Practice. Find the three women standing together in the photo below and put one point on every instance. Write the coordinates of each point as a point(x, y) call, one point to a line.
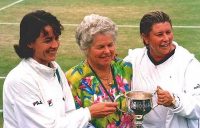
point(37, 94)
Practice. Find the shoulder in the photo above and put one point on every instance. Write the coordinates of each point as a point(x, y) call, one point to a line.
point(183, 53)
point(20, 78)
point(121, 66)
point(20, 71)
point(77, 72)
point(135, 53)
point(185, 60)
point(118, 62)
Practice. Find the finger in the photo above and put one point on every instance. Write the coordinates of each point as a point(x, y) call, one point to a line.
point(161, 96)
point(109, 113)
point(105, 114)
point(159, 88)
point(159, 103)
point(110, 109)
point(160, 100)
point(111, 104)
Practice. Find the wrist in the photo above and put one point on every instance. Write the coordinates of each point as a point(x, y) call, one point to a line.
point(175, 101)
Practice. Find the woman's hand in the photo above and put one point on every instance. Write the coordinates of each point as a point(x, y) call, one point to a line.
point(102, 109)
point(164, 97)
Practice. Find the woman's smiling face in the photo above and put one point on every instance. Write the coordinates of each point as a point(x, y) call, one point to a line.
point(102, 50)
point(160, 40)
point(45, 46)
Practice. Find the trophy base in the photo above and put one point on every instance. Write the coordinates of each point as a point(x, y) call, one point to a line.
point(139, 124)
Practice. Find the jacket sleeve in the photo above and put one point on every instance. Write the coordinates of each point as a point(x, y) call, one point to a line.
point(189, 100)
point(41, 115)
point(76, 118)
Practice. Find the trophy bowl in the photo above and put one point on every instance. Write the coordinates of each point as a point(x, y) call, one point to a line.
point(138, 103)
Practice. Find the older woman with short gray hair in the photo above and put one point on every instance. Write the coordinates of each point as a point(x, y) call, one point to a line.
point(101, 76)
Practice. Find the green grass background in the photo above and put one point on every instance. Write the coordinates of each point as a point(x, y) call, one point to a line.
point(123, 12)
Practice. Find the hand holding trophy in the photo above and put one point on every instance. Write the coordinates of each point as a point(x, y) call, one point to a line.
point(138, 103)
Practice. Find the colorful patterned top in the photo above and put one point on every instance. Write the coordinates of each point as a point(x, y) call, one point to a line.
point(87, 90)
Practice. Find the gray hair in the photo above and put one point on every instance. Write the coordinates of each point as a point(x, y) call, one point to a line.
point(90, 26)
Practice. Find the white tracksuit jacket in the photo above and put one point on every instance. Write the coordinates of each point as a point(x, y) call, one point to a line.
point(180, 75)
point(33, 98)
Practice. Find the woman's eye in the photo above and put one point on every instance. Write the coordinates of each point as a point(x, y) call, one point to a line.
point(111, 45)
point(159, 34)
point(168, 32)
point(100, 47)
point(48, 40)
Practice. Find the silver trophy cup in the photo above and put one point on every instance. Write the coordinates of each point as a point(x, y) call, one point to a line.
point(138, 103)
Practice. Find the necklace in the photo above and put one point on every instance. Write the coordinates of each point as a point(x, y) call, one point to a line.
point(108, 80)
point(111, 97)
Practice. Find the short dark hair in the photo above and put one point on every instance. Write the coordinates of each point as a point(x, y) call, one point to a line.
point(31, 26)
point(151, 18)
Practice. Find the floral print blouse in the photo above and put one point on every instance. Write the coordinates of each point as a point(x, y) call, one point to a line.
point(87, 90)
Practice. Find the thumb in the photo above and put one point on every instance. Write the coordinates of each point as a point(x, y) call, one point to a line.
point(159, 88)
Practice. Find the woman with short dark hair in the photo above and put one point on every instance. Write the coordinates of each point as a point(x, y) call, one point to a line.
point(173, 71)
point(36, 93)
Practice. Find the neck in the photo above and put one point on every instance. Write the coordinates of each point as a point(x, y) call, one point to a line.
point(158, 58)
point(104, 74)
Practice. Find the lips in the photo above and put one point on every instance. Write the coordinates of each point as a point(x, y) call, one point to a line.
point(52, 51)
point(106, 58)
point(165, 45)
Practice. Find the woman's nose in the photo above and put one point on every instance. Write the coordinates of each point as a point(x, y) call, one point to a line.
point(106, 49)
point(54, 43)
point(166, 37)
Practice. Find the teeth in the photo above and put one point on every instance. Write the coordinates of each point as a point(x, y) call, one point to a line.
point(52, 52)
point(165, 45)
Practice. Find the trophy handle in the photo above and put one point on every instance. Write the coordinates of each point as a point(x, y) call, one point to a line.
point(117, 97)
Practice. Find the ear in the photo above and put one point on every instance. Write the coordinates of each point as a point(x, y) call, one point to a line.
point(145, 39)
